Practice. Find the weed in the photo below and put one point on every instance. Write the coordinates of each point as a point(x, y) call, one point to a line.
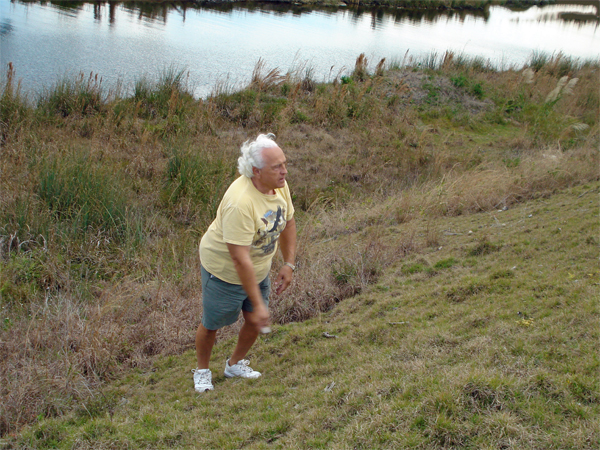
point(413, 268)
point(444, 263)
point(538, 60)
point(502, 274)
point(512, 162)
point(459, 81)
point(360, 68)
point(461, 293)
point(477, 90)
point(484, 247)
point(261, 81)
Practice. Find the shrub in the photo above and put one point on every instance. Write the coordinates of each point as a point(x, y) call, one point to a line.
point(459, 81)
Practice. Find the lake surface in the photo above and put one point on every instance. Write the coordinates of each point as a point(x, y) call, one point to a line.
point(123, 42)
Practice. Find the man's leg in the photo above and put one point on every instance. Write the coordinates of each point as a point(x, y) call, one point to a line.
point(246, 339)
point(205, 340)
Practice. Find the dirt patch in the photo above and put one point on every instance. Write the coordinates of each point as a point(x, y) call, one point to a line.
point(420, 88)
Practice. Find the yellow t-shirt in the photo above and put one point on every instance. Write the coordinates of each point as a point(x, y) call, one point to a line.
point(246, 217)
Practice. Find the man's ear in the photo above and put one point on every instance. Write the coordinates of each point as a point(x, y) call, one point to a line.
point(255, 170)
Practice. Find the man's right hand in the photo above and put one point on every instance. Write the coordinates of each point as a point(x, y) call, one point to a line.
point(259, 317)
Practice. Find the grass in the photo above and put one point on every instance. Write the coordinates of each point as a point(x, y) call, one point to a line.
point(446, 237)
point(495, 347)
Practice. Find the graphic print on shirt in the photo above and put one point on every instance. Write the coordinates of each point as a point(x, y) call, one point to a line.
point(268, 234)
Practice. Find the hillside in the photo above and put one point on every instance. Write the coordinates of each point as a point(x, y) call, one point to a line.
point(104, 197)
point(486, 339)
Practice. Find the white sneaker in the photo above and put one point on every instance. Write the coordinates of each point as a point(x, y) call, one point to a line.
point(241, 369)
point(202, 380)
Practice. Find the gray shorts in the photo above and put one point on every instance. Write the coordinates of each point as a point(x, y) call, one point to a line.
point(222, 301)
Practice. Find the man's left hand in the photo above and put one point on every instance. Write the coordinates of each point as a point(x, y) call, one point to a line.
point(283, 280)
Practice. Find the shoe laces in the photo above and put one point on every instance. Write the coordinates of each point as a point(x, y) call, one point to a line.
point(204, 376)
point(244, 365)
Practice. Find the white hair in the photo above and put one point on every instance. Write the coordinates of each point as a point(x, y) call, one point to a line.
point(252, 153)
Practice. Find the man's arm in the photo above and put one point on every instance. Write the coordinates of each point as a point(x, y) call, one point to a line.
point(287, 244)
point(240, 254)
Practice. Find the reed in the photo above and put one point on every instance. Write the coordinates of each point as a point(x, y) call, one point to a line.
point(81, 96)
point(14, 110)
point(169, 96)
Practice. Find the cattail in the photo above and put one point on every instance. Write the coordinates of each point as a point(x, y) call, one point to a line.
point(570, 85)
point(553, 95)
point(380, 67)
point(528, 75)
point(580, 126)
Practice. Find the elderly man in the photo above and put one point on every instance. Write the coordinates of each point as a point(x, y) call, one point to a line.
point(255, 216)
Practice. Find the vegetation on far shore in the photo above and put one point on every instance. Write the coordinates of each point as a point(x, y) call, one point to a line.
point(432, 242)
point(406, 4)
point(401, 4)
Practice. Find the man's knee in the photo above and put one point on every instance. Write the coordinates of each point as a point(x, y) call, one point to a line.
point(203, 332)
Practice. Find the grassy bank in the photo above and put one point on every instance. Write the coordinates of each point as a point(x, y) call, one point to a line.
point(104, 198)
point(485, 340)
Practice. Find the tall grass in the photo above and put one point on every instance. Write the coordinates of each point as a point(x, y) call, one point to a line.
point(169, 96)
point(14, 111)
point(82, 96)
point(86, 199)
point(195, 183)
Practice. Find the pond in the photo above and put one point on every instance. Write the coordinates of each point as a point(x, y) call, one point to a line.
point(220, 46)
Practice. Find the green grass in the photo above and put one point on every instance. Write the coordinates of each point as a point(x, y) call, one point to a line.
point(166, 98)
point(197, 180)
point(496, 346)
point(79, 96)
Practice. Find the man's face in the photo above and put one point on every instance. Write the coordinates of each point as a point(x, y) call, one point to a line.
point(272, 175)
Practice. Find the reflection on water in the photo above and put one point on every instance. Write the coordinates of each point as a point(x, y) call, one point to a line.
point(582, 18)
point(148, 11)
point(123, 41)
point(582, 11)
point(585, 14)
point(5, 27)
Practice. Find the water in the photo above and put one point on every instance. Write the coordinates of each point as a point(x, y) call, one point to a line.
point(122, 42)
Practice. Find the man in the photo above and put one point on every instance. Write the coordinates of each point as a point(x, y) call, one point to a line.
point(255, 217)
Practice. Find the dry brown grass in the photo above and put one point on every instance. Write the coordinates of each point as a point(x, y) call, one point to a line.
point(68, 347)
